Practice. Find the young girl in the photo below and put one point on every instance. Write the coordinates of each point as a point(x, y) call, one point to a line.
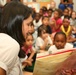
point(27, 46)
point(43, 40)
point(37, 21)
point(65, 13)
point(60, 40)
point(66, 28)
point(73, 19)
point(58, 21)
point(46, 23)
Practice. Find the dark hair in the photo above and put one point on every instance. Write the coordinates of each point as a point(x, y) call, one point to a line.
point(41, 28)
point(43, 17)
point(13, 15)
point(59, 12)
point(60, 33)
point(44, 8)
point(67, 17)
point(50, 9)
point(28, 34)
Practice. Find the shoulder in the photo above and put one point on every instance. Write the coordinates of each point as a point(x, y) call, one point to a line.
point(53, 47)
point(68, 45)
point(39, 38)
point(8, 42)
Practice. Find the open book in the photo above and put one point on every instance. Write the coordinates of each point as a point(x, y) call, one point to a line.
point(46, 63)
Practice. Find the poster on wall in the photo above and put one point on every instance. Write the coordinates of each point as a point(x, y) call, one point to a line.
point(29, 0)
point(43, 0)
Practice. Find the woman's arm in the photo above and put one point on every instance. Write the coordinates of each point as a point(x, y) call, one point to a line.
point(2, 71)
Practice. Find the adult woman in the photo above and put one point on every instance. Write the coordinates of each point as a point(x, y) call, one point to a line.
point(15, 22)
point(65, 3)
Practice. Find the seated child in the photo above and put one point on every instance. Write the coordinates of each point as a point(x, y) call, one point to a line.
point(44, 40)
point(27, 47)
point(60, 42)
point(67, 29)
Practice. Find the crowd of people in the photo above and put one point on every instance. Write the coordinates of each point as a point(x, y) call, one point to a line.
point(25, 32)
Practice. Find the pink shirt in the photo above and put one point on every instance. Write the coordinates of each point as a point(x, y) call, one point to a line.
point(58, 23)
point(26, 50)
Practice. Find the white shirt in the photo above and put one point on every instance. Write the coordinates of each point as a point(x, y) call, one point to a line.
point(36, 25)
point(53, 48)
point(3, 2)
point(9, 49)
point(40, 42)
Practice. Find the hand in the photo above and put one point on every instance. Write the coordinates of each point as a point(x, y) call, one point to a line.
point(46, 40)
point(27, 62)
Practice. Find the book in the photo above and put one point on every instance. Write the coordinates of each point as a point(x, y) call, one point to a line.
point(46, 63)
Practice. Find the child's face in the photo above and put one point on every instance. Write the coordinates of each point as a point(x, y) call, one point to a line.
point(44, 34)
point(56, 14)
point(66, 12)
point(45, 21)
point(53, 5)
point(37, 17)
point(66, 22)
point(29, 41)
point(31, 29)
point(41, 12)
point(60, 41)
point(49, 13)
point(73, 15)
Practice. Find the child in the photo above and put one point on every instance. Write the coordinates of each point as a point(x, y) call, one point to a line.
point(60, 40)
point(43, 40)
point(57, 20)
point(73, 19)
point(46, 23)
point(53, 5)
point(66, 28)
point(37, 21)
point(65, 13)
point(50, 11)
point(27, 46)
point(34, 33)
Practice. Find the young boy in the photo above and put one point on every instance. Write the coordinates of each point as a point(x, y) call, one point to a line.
point(60, 42)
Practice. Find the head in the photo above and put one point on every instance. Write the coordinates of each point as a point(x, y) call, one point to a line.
point(28, 40)
point(44, 8)
point(42, 31)
point(37, 17)
point(45, 20)
point(16, 20)
point(66, 21)
point(70, 10)
point(57, 13)
point(66, 12)
point(41, 12)
point(53, 5)
point(73, 16)
point(50, 11)
point(31, 28)
point(60, 40)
